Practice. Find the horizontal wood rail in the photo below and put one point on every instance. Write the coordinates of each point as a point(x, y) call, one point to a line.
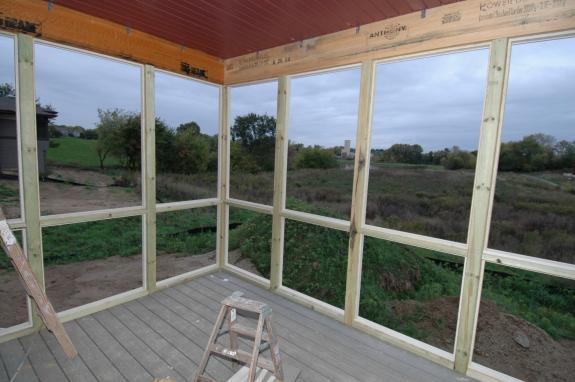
point(453, 25)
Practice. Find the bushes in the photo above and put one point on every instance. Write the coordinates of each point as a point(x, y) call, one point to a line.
point(315, 157)
point(459, 159)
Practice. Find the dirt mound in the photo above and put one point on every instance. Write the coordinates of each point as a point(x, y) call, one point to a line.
point(504, 342)
point(514, 346)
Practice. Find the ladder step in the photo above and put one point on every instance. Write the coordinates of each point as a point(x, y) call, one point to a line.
point(246, 305)
point(240, 355)
point(247, 332)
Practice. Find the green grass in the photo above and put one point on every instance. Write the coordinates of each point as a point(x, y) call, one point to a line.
point(77, 152)
point(315, 263)
point(533, 215)
point(174, 236)
point(7, 193)
point(123, 237)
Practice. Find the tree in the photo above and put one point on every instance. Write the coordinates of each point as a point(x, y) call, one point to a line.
point(459, 159)
point(256, 133)
point(108, 132)
point(403, 153)
point(315, 157)
point(166, 159)
point(192, 150)
point(193, 126)
point(532, 153)
point(131, 141)
point(89, 134)
point(7, 90)
point(564, 155)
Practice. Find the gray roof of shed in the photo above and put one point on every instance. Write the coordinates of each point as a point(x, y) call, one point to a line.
point(8, 106)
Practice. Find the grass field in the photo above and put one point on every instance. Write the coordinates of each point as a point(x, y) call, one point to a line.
point(315, 263)
point(534, 214)
point(77, 152)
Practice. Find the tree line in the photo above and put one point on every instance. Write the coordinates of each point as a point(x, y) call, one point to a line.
point(536, 152)
point(185, 149)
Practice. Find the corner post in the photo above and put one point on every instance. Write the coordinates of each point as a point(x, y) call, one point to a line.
point(359, 193)
point(280, 174)
point(223, 179)
point(482, 203)
point(149, 174)
point(26, 116)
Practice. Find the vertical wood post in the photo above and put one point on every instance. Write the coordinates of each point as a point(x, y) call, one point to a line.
point(26, 116)
point(223, 179)
point(149, 177)
point(359, 194)
point(280, 175)
point(482, 202)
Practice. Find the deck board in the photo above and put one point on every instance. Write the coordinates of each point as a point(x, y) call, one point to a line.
point(164, 335)
point(12, 355)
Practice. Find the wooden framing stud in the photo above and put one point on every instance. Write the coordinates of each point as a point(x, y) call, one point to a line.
point(149, 175)
point(359, 193)
point(223, 179)
point(481, 204)
point(280, 174)
point(26, 116)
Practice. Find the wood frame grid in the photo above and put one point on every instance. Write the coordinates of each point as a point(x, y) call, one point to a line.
point(475, 247)
point(32, 222)
point(550, 23)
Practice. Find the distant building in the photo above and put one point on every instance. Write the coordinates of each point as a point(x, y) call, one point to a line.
point(346, 152)
point(8, 136)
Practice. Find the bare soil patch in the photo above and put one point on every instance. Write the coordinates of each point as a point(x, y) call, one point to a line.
point(75, 284)
point(96, 193)
point(500, 342)
point(236, 258)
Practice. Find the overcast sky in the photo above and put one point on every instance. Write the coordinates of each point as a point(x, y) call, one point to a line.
point(433, 101)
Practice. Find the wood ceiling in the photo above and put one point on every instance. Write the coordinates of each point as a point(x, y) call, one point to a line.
point(229, 28)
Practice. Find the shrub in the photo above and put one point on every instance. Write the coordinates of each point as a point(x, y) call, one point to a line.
point(315, 157)
point(457, 160)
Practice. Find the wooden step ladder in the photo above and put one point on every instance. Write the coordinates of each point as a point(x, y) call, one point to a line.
point(261, 341)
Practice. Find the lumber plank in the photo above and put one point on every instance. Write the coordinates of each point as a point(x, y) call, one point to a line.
point(482, 202)
point(63, 25)
point(149, 175)
point(223, 209)
point(359, 193)
point(29, 160)
point(458, 24)
point(280, 171)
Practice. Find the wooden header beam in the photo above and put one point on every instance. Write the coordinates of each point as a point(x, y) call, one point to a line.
point(458, 24)
point(55, 23)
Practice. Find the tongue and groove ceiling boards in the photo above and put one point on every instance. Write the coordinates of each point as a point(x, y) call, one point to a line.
point(234, 41)
point(229, 28)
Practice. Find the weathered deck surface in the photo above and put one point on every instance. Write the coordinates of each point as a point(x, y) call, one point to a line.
point(165, 334)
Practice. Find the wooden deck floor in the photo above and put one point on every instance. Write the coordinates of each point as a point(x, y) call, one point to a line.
point(165, 334)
